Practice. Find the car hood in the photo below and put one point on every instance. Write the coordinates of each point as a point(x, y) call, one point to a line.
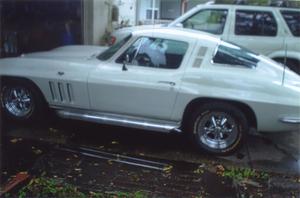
point(74, 52)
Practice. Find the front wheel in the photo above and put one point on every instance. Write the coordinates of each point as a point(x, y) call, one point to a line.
point(21, 101)
point(218, 128)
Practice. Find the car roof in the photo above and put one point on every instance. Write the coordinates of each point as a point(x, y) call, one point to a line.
point(179, 32)
point(244, 6)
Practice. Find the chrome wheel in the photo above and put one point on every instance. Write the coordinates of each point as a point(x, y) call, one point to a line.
point(18, 101)
point(217, 130)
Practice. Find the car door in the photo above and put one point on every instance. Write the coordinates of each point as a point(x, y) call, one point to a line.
point(257, 30)
point(147, 85)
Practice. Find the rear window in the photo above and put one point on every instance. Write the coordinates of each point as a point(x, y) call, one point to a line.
point(292, 19)
point(234, 55)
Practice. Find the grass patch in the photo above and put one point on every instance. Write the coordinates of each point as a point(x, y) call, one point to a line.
point(50, 187)
point(240, 174)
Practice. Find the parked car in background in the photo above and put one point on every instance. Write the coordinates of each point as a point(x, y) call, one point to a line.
point(164, 80)
point(272, 31)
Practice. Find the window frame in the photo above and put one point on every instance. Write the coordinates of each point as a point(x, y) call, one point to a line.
point(146, 36)
point(214, 9)
point(253, 11)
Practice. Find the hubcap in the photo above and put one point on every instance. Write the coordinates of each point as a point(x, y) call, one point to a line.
point(217, 130)
point(18, 101)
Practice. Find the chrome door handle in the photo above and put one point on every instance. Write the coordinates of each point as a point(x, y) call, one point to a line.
point(167, 82)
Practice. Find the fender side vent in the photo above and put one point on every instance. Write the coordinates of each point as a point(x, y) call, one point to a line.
point(70, 92)
point(61, 91)
point(53, 91)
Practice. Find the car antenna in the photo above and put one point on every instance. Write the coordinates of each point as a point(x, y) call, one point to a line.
point(284, 63)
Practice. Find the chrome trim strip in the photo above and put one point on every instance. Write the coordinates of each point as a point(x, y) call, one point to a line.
point(120, 120)
point(290, 120)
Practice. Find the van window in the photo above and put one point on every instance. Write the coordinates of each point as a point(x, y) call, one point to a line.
point(208, 20)
point(255, 23)
point(292, 18)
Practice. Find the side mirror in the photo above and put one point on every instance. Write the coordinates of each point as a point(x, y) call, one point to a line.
point(179, 25)
point(126, 61)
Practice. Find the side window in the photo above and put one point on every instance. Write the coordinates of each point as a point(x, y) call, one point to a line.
point(292, 18)
point(155, 52)
point(255, 23)
point(230, 54)
point(210, 20)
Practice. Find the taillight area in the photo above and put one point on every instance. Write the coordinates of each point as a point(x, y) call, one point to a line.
point(112, 40)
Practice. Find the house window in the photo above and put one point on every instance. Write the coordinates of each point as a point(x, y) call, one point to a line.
point(149, 13)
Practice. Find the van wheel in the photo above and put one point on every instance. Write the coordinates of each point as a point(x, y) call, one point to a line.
point(218, 128)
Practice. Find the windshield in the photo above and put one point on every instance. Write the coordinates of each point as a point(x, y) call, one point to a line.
point(107, 54)
point(232, 54)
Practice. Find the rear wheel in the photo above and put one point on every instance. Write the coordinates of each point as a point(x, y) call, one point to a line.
point(21, 101)
point(218, 128)
point(293, 64)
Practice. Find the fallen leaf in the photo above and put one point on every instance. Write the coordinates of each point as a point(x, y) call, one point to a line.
point(15, 140)
point(220, 169)
point(114, 142)
point(53, 130)
point(77, 169)
point(110, 162)
point(168, 168)
point(37, 151)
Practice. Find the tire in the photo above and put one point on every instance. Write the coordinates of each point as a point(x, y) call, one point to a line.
point(293, 64)
point(218, 128)
point(21, 101)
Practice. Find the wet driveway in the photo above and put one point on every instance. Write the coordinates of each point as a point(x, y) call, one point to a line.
point(35, 148)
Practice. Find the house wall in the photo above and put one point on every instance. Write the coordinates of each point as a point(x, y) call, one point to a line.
point(97, 20)
point(127, 11)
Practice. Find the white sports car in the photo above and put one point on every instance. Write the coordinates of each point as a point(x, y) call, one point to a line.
point(165, 80)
